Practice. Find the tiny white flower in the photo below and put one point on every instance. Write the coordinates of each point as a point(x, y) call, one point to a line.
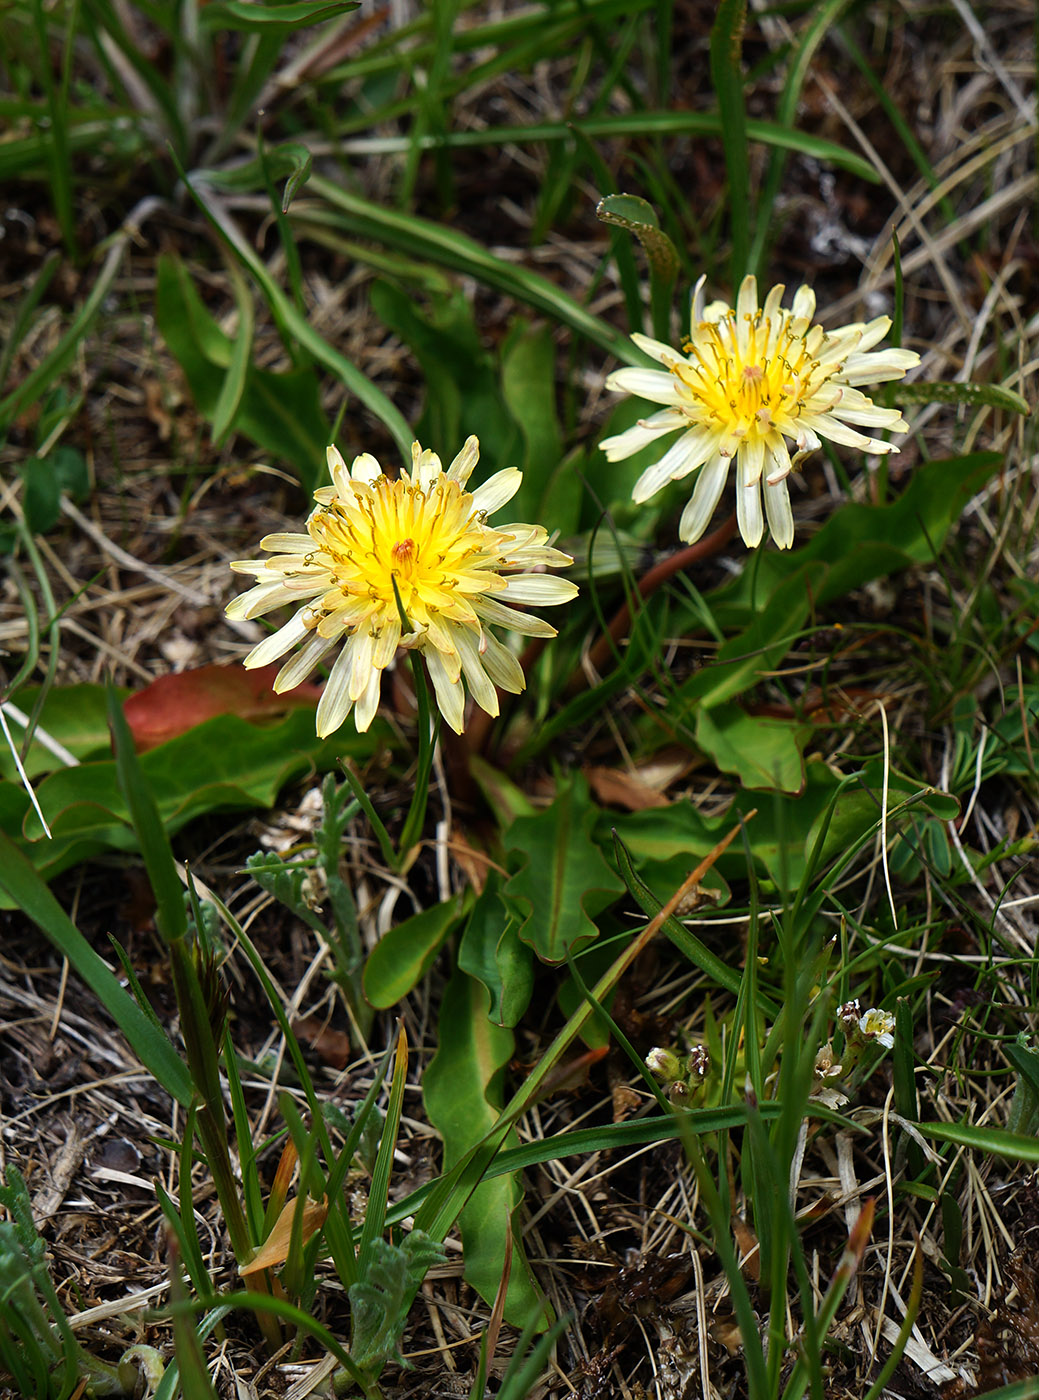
point(879, 1026)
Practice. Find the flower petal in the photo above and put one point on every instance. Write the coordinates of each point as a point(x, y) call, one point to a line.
point(299, 667)
point(689, 452)
point(496, 490)
point(366, 706)
point(502, 667)
point(777, 510)
point(480, 685)
point(748, 503)
point(278, 643)
point(335, 703)
point(701, 504)
point(650, 384)
point(540, 590)
point(449, 692)
point(461, 468)
point(490, 610)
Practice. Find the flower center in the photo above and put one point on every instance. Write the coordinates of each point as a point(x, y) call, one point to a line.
point(751, 379)
point(431, 543)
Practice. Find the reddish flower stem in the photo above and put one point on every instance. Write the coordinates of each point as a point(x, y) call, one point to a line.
point(478, 731)
point(648, 584)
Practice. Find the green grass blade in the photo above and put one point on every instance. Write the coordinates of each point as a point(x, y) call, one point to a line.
point(631, 125)
point(151, 1046)
point(57, 148)
point(822, 20)
point(727, 76)
point(35, 384)
point(444, 245)
point(378, 1195)
point(994, 1142)
point(687, 942)
point(296, 327)
point(171, 916)
point(904, 131)
point(233, 387)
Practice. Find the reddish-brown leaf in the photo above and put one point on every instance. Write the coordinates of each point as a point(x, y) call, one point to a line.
point(172, 705)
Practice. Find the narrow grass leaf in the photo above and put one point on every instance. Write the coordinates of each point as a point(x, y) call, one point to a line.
point(993, 395)
point(996, 1142)
point(151, 1046)
point(727, 76)
point(229, 399)
point(280, 412)
point(378, 1194)
point(296, 327)
point(686, 942)
point(820, 21)
point(893, 1361)
point(147, 824)
point(35, 384)
point(631, 124)
point(444, 245)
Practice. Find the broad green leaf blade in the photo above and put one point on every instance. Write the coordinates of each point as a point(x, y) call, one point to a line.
point(152, 1048)
point(762, 752)
point(463, 394)
point(225, 763)
point(462, 1093)
point(74, 716)
point(251, 17)
point(639, 217)
point(405, 953)
point(492, 952)
point(563, 881)
point(528, 384)
point(861, 542)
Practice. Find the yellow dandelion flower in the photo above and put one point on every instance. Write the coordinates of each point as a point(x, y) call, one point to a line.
point(455, 576)
point(749, 379)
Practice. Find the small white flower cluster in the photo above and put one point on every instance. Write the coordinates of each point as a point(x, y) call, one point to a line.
point(861, 1029)
point(681, 1078)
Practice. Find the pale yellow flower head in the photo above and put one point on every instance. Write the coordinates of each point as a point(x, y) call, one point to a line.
point(748, 380)
point(455, 576)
